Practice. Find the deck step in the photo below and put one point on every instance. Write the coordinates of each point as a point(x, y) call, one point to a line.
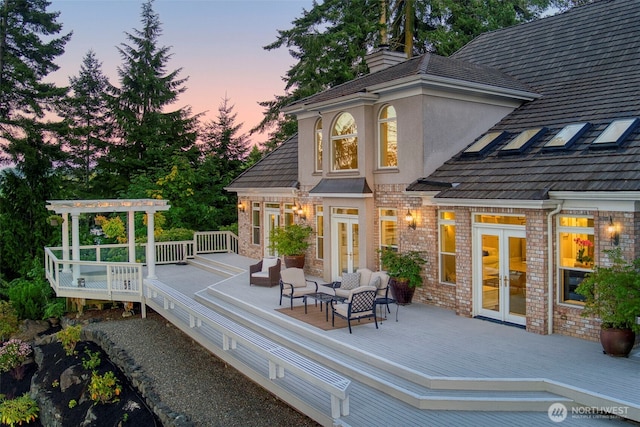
point(213, 266)
point(464, 396)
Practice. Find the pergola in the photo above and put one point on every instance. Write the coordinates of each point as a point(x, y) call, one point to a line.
point(131, 206)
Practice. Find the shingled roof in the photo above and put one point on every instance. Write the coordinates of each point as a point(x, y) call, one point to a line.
point(586, 65)
point(278, 169)
point(425, 65)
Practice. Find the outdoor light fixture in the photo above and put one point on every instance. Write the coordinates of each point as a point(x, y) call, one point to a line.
point(240, 206)
point(300, 212)
point(411, 221)
point(613, 233)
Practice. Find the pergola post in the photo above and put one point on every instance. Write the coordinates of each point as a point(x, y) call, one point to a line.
point(131, 228)
point(75, 244)
point(151, 246)
point(65, 242)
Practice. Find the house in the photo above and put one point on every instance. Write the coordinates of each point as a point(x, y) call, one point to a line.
point(512, 164)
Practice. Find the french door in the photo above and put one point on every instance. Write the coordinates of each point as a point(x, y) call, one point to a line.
point(345, 237)
point(501, 274)
point(272, 220)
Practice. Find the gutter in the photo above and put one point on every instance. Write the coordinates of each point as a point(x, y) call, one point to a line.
point(550, 274)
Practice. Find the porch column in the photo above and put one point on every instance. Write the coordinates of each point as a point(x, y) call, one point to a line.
point(151, 247)
point(75, 244)
point(132, 235)
point(65, 242)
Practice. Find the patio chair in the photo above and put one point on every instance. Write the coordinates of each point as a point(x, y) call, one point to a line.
point(265, 273)
point(293, 284)
point(361, 304)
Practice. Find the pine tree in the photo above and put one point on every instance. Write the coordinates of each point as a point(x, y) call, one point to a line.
point(147, 136)
point(331, 40)
point(28, 48)
point(86, 112)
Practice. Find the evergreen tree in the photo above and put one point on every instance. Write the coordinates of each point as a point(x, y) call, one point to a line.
point(331, 40)
point(86, 112)
point(147, 136)
point(220, 136)
point(28, 47)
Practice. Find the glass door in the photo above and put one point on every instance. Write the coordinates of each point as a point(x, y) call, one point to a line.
point(272, 220)
point(346, 253)
point(501, 275)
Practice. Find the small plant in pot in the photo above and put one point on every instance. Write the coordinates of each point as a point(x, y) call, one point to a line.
point(55, 220)
point(291, 242)
point(405, 272)
point(612, 294)
point(54, 310)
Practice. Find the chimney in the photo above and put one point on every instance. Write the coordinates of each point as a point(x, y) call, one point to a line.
point(384, 58)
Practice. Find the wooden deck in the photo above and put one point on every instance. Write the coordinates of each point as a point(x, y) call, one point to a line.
point(431, 367)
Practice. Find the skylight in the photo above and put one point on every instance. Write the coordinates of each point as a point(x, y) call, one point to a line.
point(567, 136)
point(615, 133)
point(522, 141)
point(482, 145)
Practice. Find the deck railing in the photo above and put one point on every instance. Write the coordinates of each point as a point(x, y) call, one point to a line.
point(107, 267)
point(121, 281)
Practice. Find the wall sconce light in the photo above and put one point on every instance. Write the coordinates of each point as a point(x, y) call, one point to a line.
point(240, 206)
point(300, 212)
point(411, 221)
point(614, 234)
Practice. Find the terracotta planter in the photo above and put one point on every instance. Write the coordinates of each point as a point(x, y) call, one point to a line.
point(617, 342)
point(401, 292)
point(291, 261)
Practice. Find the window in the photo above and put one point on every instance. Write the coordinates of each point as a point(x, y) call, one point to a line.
point(255, 223)
point(447, 227)
point(567, 136)
point(288, 214)
point(615, 133)
point(575, 254)
point(319, 232)
point(344, 143)
point(389, 229)
point(318, 139)
point(388, 138)
point(484, 144)
point(523, 140)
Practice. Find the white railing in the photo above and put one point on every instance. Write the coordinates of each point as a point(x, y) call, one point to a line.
point(215, 241)
point(120, 281)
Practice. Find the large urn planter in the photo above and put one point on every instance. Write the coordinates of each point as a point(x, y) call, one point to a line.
point(617, 342)
point(294, 261)
point(401, 291)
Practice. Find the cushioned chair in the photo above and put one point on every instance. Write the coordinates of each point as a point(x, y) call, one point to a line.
point(265, 273)
point(361, 304)
point(362, 277)
point(293, 284)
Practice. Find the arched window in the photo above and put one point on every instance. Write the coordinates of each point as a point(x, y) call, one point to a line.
point(388, 138)
point(318, 148)
point(344, 143)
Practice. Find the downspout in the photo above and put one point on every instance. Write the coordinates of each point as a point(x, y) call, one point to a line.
point(550, 275)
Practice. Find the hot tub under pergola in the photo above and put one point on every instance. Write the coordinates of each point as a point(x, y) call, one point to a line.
point(74, 208)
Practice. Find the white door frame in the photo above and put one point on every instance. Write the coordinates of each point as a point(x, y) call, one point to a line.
point(351, 241)
point(268, 214)
point(502, 272)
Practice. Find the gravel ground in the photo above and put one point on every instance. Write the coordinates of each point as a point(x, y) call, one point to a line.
point(192, 381)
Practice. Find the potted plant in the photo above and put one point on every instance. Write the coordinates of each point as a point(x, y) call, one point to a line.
point(404, 270)
point(55, 220)
point(612, 294)
point(291, 242)
point(53, 311)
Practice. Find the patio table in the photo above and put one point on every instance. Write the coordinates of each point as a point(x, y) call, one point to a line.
point(323, 298)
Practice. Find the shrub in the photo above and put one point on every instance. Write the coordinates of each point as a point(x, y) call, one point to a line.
point(29, 295)
point(93, 360)
point(20, 410)
point(69, 337)
point(104, 388)
point(54, 308)
point(8, 320)
point(13, 353)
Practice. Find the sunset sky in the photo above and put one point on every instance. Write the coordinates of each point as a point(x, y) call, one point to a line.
point(217, 43)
